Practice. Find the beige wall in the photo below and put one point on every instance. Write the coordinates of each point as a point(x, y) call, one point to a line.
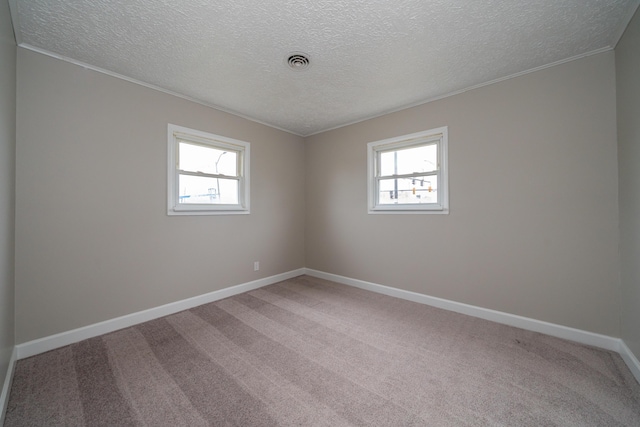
point(628, 91)
point(533, 228)
point(7, 189)
point(93, 240)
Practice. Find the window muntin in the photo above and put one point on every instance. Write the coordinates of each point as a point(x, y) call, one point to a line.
point(208, 174)
point(408, 174)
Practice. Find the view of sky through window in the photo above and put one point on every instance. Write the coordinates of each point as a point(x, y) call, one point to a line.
point(421, 187)
point(205, 160)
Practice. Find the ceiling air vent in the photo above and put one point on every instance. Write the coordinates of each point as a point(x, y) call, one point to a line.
point(298, 61)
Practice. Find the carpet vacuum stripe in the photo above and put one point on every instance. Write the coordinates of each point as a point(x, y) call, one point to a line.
point(311, 352)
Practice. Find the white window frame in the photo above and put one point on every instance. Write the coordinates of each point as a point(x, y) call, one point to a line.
point(180, 133)
point(438, 136)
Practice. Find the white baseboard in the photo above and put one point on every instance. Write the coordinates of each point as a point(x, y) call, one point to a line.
point(529, 324)
point(6, 388)
point(42, 345)
point(630, 359)
point(572, 334)
point(52, 342)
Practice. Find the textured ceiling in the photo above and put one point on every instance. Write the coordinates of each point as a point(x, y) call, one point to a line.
point(368, 57)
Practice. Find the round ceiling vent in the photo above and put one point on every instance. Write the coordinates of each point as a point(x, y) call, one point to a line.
point(298, 61)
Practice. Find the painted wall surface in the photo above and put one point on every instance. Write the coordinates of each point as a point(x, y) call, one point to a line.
point(628, 102)
point(533, 223)
point(7, 185)
point(93, 239)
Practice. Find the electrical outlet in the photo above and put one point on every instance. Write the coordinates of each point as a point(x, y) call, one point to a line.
point(256, 266)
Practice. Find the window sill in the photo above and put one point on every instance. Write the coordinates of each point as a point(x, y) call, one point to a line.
point(207, 212)
point(403, 210)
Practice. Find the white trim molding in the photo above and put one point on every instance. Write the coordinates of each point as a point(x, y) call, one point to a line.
point(52, 342)
point(237, 171)
point(630, 359)
point(6, 388)
point(62, 339)
point(376, 175)
point(552, 329)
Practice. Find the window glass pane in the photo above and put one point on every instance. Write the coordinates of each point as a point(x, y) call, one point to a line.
point(408, 191)
point(200, 158)
point(409, 160)
point(205, 190)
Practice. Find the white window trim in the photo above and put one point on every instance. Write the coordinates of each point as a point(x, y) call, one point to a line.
point(173, 207)
point(440, 135)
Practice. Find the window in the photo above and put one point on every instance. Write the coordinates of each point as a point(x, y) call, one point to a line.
point(408, 174)
point(208, 174)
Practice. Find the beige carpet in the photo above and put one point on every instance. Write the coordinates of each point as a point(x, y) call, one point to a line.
point(308, 352)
